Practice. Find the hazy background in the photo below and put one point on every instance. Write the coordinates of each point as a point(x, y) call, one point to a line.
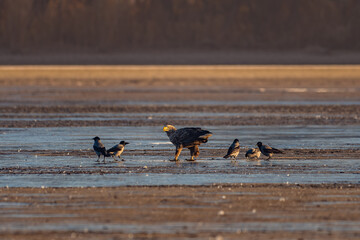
point(179, 31)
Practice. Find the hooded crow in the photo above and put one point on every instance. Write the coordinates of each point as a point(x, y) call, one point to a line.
point(117, 150)
point(234, 150)
point(189, 138)
point(267, 150)
point(253, 153)
point(99, 148)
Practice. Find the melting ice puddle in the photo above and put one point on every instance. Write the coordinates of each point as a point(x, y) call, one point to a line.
point(183, 227)
point(162, 172)
point(17, 215)
point(333, 203)
point(149, 137)
point(13, 204)
point(150, 179)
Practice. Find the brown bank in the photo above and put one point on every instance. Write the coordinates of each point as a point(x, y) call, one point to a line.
point(248, 211)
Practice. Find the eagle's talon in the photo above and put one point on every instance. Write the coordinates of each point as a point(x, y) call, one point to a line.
point(190, 160)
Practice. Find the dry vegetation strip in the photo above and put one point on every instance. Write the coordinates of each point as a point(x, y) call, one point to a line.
point(181, 72)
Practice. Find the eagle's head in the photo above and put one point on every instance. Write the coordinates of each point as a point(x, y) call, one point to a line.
point(169, 128)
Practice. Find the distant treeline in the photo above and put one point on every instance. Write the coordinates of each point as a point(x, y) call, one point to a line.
point(115, 25)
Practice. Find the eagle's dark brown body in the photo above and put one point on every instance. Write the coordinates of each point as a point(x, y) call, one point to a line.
point(189, 138)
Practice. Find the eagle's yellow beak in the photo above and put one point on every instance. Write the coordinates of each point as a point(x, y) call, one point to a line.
point(165, 129)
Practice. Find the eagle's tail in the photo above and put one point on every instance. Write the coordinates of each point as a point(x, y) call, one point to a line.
point(226, 156)
point(204, 138)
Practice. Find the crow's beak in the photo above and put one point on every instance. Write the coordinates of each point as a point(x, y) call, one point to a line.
point(126, 143)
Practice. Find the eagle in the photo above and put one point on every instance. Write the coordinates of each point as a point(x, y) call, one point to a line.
point(189, 138)
point(117, 150)
point(267, 150)
point(234, 150)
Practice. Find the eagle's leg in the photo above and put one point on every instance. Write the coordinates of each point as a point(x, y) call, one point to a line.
point(177, 153)
point(194, 151)
point(104, 159)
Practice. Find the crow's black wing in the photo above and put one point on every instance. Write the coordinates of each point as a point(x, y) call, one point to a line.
point(115, 148)
point(230, 150)
point(101, 150)
point(274, 150)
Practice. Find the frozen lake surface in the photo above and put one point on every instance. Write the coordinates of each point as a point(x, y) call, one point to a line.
point(29, 148)
point(150, 137)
